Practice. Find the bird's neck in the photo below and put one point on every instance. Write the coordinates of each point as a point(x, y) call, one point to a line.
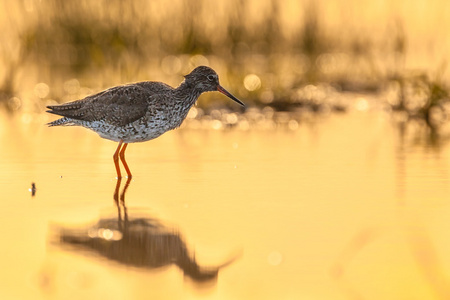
point(187, 93)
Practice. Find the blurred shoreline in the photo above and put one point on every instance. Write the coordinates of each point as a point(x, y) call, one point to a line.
point(285, 55)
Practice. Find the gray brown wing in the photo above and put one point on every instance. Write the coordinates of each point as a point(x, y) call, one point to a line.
point(117, 106)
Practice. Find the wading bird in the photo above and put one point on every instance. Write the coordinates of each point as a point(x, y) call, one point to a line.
point(138, 112)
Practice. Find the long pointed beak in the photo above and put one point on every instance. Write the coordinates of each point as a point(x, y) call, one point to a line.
point(226, 93)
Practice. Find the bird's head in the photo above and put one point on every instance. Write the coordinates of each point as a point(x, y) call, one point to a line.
point(206, 80)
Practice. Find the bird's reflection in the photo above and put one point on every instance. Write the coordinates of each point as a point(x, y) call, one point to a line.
point(137, 241)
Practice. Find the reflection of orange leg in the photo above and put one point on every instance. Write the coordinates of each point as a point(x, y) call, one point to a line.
point(116, 201)
point(122, 158)
point(122, 198)
point(116, 160)
point(125, 188)
point(120, 202)
point(116, 191)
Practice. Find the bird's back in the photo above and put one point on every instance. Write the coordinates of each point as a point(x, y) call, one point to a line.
point(155, 87)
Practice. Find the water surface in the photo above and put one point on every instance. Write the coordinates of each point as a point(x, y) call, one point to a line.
point(342, 207)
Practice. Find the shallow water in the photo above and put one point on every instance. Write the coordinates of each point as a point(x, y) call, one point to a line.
point(342, 207)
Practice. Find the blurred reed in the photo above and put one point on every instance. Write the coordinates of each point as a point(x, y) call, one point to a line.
point(270, 53)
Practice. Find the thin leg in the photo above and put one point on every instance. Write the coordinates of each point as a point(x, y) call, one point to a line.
point(116, 160)
point(122, 158)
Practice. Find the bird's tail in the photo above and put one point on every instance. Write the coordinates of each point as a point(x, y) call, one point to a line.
point(59, 122)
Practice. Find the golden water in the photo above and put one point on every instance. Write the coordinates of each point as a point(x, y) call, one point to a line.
point(341, 208)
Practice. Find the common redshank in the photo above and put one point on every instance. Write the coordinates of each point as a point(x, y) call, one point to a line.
point(138, 112)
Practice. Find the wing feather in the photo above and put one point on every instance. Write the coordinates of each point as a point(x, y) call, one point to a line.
point(117, 106)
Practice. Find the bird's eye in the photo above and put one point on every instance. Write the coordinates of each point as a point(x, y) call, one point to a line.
point(210, 77)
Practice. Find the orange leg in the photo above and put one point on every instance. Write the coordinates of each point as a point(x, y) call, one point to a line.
point(122, 158)
point(116, 160)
